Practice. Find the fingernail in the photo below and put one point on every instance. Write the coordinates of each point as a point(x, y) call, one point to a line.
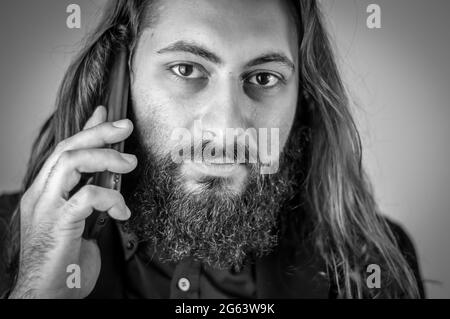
point(122, 123)
point(130, 158)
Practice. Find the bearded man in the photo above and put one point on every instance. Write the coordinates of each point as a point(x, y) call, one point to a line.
point(298, 221)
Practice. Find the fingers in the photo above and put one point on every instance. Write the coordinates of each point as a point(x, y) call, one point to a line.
point(66, 173)
point(98, 117)
point(91, 197)
point(96, 134)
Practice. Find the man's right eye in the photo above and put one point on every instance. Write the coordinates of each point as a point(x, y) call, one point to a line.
point(187, 71)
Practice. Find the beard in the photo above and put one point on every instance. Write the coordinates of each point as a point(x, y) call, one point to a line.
point(218, 228)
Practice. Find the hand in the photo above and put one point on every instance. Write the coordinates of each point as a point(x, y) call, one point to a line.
point(52, 223)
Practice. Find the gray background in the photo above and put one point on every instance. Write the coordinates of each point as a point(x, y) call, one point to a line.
point(398, 77)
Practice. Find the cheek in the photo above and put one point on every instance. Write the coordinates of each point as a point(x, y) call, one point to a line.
point(157, 115)
point(279, 113)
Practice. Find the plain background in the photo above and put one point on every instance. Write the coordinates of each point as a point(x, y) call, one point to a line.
point(398, 77)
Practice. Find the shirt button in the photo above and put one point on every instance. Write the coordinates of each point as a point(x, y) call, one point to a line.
point(184, 284)
point(130, 244)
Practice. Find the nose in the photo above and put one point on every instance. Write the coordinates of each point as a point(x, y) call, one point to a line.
point(225, 110)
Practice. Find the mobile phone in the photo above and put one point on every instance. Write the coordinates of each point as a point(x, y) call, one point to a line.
point(117, 104)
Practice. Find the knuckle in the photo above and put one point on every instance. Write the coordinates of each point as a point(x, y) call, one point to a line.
point(90, 192)
point(118, 202)
point(120, 197)
point(66, 156)
point(97, 133)
point(88, 153)
point(71, 210)
point(25, 201)
point(85, 195)
point(113, 154)
point(115, 197)
point(111, 158)
point(61, 146)
point(103, 130)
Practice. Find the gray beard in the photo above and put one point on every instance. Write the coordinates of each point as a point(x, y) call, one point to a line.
point(215, 228)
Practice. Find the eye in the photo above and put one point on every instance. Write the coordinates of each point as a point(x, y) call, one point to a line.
point(187, 71)
point(264, 79)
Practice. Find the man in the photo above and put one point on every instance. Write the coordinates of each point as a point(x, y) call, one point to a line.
point(194, 219)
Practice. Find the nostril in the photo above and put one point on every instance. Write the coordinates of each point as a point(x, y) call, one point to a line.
point(209, 135)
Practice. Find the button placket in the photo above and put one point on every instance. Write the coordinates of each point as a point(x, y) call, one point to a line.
point(185, 280)
point(129, 242)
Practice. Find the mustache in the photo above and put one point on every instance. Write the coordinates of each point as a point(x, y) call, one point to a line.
point(209, 151)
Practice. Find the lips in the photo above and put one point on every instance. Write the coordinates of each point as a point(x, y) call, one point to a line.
point(214, 169)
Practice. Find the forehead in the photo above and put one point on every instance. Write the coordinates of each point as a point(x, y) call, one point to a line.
point(247, 25)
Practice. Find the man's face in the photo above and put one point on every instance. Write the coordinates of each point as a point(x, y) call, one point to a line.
point(209, 65)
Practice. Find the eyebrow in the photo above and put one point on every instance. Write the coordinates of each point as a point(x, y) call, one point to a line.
point(198, 50)
point(183, 46)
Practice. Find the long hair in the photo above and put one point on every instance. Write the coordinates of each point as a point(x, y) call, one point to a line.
point(348, 231)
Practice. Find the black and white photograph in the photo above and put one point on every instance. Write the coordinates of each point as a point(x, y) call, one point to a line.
point(246, 151)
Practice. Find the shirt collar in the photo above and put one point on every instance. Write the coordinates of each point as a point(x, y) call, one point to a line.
point(129, 241)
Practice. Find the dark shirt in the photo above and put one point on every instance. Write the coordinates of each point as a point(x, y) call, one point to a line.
point(147, 277)
point(290, 271)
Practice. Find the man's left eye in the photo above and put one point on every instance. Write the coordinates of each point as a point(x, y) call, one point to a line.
point(187, 71)
point(264, 79)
